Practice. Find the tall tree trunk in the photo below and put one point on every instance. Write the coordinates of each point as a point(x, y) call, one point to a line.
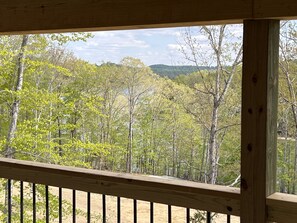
point(50, 115)
point(202, 175)
point(212, 146)
point(60, 150)
point(283, 168)
point(173, 152)
point(294, 112)
point(295, 166)
point(9, 150)
point(130, 141)
point(190, 173)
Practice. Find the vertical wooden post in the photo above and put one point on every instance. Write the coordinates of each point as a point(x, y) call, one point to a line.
point(259, 117)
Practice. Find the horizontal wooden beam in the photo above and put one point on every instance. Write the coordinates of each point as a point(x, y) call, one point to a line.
point(275, 9)
point(282, 208)
point(41, 16)
point(34, 16)
point(155, 189)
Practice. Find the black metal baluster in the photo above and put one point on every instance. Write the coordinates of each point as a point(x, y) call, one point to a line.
point(60, 205)
point(21, 202)
point(104, 208)
point(9, 201)
point(188, 215)
point(208, 217)
point(46, 204)
point(228, 219)
point(135, 210)
point(34, 202)
point(152, 212)
point(73, 206)
point(119, 210)
point(169, 214)
point(89, 207)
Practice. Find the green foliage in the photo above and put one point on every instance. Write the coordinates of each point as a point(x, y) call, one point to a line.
point(79, 114)
point(75, 113)
point(287, 116)
point(62, 39)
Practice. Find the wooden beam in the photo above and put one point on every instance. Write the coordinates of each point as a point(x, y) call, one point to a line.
point(284, 9)
point(40, 16)
point(282, 208)
point(259, 117)
point(34, 16)
point(155, 189)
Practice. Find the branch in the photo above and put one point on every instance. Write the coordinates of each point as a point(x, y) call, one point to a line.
point(198, 117)
point(228, 82)
point(236, 181)
point(227, 126)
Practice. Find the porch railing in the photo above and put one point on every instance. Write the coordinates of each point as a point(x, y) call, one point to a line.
point(190, 195)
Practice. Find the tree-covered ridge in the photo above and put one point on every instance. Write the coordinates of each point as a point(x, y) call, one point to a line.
point(172, 72)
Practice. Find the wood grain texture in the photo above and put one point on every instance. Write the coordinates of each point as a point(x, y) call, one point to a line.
point(284, 9)
point(175, 192)
point(259, 113)
point(282, 208)
point(41, 16)
point(36, 16)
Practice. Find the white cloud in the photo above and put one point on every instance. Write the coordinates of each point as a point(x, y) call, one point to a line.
point(173, 46)
point(118, 39)
point(92, 43)
point(109, 46)
point(236, 29)
point(150, 45)
point(161, 32)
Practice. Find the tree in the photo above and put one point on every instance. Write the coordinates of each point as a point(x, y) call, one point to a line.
point(9, 150)
point(288, 107)
point(136, 81)
point(213, 84)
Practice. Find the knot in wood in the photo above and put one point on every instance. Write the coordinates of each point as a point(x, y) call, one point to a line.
point(254, 78)
point(249, 147)
point(243, 184)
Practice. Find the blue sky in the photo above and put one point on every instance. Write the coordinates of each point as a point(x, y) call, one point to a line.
point(152, 46)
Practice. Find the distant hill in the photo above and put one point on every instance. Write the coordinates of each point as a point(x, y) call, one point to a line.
point(173, 71)
point(169, 71)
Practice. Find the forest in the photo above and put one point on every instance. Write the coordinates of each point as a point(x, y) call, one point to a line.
point(59, 109)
